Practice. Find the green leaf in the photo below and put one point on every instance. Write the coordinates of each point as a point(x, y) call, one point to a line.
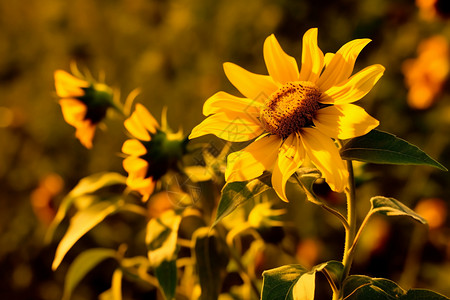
point(305, 287)
point(237, 193)
point(211, 261)
point(384, 148)
point(81, 223)
point(333, 272)
point(166, 273)
point(419, 294)
point(84, 263)
point(295, 282)
point(360, 287)
point(307, 177)
point(392, 207)
point(96, 182)
point(278, 282)
point(85, 186)
point(161, 238)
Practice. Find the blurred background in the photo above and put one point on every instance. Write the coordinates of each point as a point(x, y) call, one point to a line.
point(173, 50)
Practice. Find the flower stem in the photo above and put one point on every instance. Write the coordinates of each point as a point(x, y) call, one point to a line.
point(350, 232)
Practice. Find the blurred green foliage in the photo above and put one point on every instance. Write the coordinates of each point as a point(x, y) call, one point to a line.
point(174, 51)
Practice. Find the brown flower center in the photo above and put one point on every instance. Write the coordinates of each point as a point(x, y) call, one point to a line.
point(290, 108)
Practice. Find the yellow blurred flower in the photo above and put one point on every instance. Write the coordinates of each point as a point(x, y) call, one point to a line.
point(84, 104)
point(426, 74)
point(152, 151)
point(292, 114)
point(434, 210)
point(41, 197)
point(431, 9)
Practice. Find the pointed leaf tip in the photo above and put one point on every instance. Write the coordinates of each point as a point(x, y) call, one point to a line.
point(385, 148)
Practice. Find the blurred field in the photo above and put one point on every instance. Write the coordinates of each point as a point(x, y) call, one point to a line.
point(174, 51)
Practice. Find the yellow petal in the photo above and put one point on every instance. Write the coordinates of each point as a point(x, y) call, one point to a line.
point(344, 121)
point(251, 85)
point(282, 67)
point(341, 65)
point(85, 133)
point(144, 186)
point(325, 156)
point(73, 111)
point(136, 128)
point(223, 102)
point(290, 158)
point(312, 57)
point(354, 88)
point(229, 126)
point(147, 189)
point(135, 167)
point(253, 160)
point(146, 118)
point(68, 86)
point(327, 59)
point(133, 147)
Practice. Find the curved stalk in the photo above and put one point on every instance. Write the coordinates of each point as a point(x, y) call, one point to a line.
point(323, 205)
point(351, 219)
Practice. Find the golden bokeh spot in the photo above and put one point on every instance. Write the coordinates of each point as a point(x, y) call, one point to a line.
point(290, 108)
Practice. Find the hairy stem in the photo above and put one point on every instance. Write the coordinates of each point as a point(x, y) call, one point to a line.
point(351, 219)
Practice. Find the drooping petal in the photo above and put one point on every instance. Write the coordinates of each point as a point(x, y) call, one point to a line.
point(85, 133)
point(223, 102)
point(73, 111)
point(146, 118)
point(353, 88)
point(133, 147)
point(144, 186)
point(136, 128)
point(344, 121)
point(282, 67)
point(341, 65)
point(230, 126)
point(253, 160)
point(68, 86)
point(135, 166)
point(312, 57)
point(325, 156)
point(290, 158)
point(251, 85)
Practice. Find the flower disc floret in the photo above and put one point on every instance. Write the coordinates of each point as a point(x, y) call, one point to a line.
point(290, 108)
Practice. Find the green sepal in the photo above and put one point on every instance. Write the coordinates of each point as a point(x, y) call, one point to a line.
point(307, 177)
point(235, 194)
point(384, 148)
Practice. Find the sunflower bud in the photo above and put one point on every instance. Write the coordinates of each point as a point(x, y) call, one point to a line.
point(152, 152)
point(84, 104)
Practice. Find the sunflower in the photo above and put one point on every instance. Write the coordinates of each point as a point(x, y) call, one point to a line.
point(83, 104)
point(425, 75)
point(292, 115)
point(152, 151)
